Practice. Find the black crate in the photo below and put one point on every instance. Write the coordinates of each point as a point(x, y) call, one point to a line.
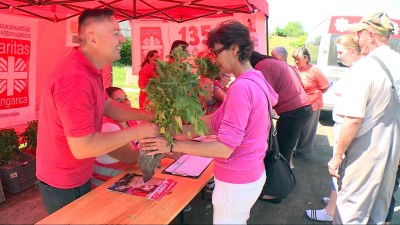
point(21, 176)
point(2, 197)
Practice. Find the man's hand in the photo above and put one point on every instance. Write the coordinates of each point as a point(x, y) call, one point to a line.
point(334, 164)
point(147, 129)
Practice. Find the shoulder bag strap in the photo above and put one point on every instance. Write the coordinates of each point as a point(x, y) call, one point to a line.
point(272, 131)
point(389, 75)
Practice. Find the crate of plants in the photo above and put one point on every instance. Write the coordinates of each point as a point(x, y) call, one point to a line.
point(17, 169)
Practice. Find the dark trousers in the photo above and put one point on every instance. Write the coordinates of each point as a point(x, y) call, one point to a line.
point(56, 198)
point(305, 144)
point(393, 201)
point(289, 126)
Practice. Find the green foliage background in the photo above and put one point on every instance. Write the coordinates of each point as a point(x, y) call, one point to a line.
point(291, 36)
point(292, 29)
point(126, 54)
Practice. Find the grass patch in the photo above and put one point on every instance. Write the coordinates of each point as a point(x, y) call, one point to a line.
point(119, 80)
point(133, 96)
point(119, 76)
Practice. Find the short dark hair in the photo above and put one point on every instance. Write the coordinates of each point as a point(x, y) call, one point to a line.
point(148, 57)
point(110, 91)
point(90, 15)
point(232, 32)
point(177, 43)
point(256, 57)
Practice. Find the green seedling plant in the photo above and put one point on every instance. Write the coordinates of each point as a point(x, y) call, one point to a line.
point(206, 66)
point(29, 136)
point(9, 145)
point(173, 94)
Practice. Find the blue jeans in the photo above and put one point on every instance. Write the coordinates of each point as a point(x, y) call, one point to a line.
point(393, 201)
point(56, 198)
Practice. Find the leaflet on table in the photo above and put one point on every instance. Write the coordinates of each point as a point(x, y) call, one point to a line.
point(133, 184)
point(189, 166)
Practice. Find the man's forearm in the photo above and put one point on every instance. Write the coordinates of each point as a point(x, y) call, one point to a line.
point(119, 112)
point(103, 142)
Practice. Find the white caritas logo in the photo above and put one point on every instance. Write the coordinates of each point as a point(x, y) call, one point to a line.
point(341, 24)
point(151, 43)
point(12, 75)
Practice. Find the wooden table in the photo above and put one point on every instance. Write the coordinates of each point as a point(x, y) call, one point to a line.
point(101, 206)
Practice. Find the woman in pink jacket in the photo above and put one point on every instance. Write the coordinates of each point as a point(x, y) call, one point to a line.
point(241, 125)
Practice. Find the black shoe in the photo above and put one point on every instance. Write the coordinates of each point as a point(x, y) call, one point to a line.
point(272, 200)
point(297, 154)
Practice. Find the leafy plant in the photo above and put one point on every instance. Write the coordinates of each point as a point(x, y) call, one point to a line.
point(206, 66)
point(9, 145)
point(173, 95)
point(30, 135)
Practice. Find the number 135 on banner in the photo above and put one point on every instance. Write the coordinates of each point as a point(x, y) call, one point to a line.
point(195, 35)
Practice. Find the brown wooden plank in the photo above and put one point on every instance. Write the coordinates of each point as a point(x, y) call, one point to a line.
point(101, 206)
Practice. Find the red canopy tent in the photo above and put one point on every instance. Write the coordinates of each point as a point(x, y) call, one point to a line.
point(172, 10)
point(40, 26)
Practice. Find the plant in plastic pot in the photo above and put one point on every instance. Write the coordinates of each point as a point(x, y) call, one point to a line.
point(9, 146)
point(29, 137)
point(174, 94)
point(17, 169)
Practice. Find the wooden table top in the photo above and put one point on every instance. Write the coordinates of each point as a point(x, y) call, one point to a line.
point(101, 206)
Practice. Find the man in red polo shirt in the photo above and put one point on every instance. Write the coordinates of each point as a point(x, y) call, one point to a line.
point(72, 107)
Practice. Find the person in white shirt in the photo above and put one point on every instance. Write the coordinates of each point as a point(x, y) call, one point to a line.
point(367, 153)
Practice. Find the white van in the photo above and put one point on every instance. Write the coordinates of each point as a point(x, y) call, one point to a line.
point(320, 43)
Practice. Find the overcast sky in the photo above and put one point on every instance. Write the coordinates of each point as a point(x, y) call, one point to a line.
point(312, 12)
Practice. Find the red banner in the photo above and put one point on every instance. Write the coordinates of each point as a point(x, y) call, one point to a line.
point(14, 73)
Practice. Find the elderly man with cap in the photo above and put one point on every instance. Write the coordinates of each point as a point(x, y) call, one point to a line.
point(368, 148)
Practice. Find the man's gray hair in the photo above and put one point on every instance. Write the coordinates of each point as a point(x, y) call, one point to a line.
point(281, 51)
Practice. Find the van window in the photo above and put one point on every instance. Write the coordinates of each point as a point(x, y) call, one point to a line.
point(395, 44)
point(332, 54)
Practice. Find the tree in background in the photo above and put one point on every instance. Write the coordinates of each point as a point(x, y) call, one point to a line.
point(126, 53)
point(278, 32)
point(292, 29)
point(292, 36)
